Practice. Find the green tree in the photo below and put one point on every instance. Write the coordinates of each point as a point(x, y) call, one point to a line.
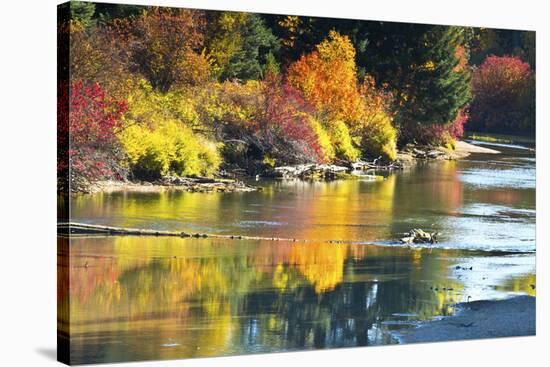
point(82, 11)
point(257, 42)
point(425, 70)
point(107, 12)
point(239, 44)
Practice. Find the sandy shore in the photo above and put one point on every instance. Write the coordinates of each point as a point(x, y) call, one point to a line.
point(462, 150)
point(461, 147)
point(477, 320)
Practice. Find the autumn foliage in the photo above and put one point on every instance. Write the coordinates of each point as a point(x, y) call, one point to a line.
point(163, 91)
point(89, 119)
point(327, 77)
point(283, 118)
point(159, 139)
point(440, 134)
point(504, 90)
point(164, 45)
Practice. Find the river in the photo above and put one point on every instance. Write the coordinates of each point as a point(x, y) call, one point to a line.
point(137, 298)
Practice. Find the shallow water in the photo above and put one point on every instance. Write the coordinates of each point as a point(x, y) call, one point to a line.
point(158, 298)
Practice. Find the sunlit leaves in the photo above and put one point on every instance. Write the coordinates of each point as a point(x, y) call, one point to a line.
point(164, 46)
point(88, 118)
point(158, 136)
point(327, 78)
point(504, 89)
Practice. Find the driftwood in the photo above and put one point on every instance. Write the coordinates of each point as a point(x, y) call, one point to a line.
point(417, 235)
point(72, 229)
point(364, 165)
point(329, 171)
point(309, 171)
point(428, 154)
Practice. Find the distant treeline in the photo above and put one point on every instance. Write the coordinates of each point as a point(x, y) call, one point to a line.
point(155, 91)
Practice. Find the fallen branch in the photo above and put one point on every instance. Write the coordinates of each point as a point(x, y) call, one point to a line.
point(71, 229)
point(417, 235)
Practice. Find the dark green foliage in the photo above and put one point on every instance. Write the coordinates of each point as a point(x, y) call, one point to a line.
point(82, 11)
point(420, 65)
point(108, 12)
point(257, 42)
point(438, 93)
point(311, 31)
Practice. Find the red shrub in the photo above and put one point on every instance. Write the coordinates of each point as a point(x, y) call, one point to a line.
point(504, 95)
point(440, 134)
point(86, 124)
point(283, 121)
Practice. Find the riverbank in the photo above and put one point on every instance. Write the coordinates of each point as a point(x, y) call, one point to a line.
point(405, 157)
point(188, 184)
point(477, 320)
point(461, 150)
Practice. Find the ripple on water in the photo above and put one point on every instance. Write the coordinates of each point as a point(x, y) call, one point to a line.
point(253, 223)
point(517, 178)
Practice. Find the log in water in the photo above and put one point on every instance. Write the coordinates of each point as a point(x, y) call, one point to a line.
point(71, 229)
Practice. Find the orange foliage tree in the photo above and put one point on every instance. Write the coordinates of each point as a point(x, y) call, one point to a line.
point(165, 46)
point(327, 77)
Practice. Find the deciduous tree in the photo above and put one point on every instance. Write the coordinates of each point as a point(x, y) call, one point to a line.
point(165, 45)
point(504, 90)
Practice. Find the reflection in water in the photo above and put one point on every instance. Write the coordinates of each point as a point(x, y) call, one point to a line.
point(158, 298)
point(134, 298)
point(435, 196)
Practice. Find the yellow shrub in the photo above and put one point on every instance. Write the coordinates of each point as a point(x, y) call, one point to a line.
point(342, 141)
point(148, 107)
point(170, 148)
point(269, 161)
point(158, 135)
point(378, 137)
point(227, 102)
point(323, 139)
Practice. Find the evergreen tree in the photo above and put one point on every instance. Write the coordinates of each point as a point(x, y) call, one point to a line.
point(439, 89)
point(421, 65)
point(82, 11)
point(257, 42)
point(107, 12)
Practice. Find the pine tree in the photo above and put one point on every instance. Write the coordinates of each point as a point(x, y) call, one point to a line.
point(438, 89)
point(421, 65)
point(257, 42)
point(82, 11)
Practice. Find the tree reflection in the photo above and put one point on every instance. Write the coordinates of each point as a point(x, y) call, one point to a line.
point(213, 297)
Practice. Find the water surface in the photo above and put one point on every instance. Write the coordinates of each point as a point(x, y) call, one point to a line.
point(136, 298)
